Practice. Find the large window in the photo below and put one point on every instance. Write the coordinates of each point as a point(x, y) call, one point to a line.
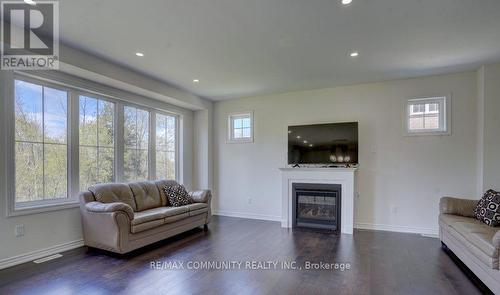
point(97, 151)
point(63, 140)
point(136, 141)
point(166, 135)
point(41, 142)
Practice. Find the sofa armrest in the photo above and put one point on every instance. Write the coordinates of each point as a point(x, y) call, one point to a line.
point(99, 207)
point(456, 206)
point(201, 196)
point(496, 240)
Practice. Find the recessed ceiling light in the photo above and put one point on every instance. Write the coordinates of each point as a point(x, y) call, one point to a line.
point(305, 141)
point(311, 145)
point(354, 54)
point(289, 131)
point(139, 54)
point(30, 2)
point(346, 2)
point(196, 80)
point(298, 136)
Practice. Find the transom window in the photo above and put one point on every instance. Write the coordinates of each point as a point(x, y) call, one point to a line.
point(240, 127)
point(427, 116)
point(41, 142)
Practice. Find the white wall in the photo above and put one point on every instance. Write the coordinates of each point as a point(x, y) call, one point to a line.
point(203, 141)
point(407, 174)
point(62, 228)
point(489, 78)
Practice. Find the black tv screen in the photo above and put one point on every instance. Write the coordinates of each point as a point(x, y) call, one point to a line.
point(332, 144)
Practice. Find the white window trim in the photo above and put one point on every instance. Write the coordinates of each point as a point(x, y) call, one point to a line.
point(444, 119)
point(230, 138)
point(71, 201)
point(177, 144)
point(75, 88)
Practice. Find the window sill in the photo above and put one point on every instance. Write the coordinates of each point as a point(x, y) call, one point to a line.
point(36, 209)
point(246, 140)
point(427, 133)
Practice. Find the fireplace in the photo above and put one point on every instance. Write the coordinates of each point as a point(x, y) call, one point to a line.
point(316, 205)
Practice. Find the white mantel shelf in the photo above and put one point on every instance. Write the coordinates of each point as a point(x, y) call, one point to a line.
point(343, 176)
point(318, 169)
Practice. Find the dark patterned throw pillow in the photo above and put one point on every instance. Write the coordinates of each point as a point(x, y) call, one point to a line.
point(177, 195)
point(488, 208)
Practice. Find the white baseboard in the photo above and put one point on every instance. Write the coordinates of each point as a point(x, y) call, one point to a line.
point(30, 256)
point(248, 215)
point(428, 232)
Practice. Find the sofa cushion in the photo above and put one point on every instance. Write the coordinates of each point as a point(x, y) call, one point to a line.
point(177, 195)
point(112, 193)
point(159, 213)
point(196, 206)
point(160, 184)
point(198, 212)
point(146, 225)
point(488, 208)
point(175, 218)
point(146, 195)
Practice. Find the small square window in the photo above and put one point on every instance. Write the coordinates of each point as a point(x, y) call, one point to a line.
point(427, 116)
point(240, 127)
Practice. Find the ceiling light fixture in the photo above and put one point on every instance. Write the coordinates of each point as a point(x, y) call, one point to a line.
point(354, 54)
point(311, 145)
point(298, 136)
point(30, 2)
point(346, 2)
point(139, 54)
point(196, 81)
point(305, 141)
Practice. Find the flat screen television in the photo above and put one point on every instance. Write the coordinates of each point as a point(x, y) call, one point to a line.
point(329, 144)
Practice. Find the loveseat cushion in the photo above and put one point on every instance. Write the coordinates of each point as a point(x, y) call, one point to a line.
point(159, 213)
point(479, 235)
point(160, 184)
point(146, 195)
point(449, 219)
point(480, 239)
point(112, 193)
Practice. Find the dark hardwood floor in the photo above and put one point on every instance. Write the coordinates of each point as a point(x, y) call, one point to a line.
point(381, 263)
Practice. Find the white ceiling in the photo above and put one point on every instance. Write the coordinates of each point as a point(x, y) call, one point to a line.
point(250, 47)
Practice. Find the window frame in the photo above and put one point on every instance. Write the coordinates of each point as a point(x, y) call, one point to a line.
point(149, 149)
point(98, 97)
point(177, 142)
point(444, 112)
point(230, 126)
point(75, 87)
point(21, 208)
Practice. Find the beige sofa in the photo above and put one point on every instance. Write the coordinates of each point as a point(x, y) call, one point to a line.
point(121, 217)
point(475, 243)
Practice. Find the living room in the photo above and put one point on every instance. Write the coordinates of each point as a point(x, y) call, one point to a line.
point(327, 146)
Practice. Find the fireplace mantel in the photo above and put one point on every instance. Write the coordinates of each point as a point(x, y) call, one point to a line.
point(343, 176)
